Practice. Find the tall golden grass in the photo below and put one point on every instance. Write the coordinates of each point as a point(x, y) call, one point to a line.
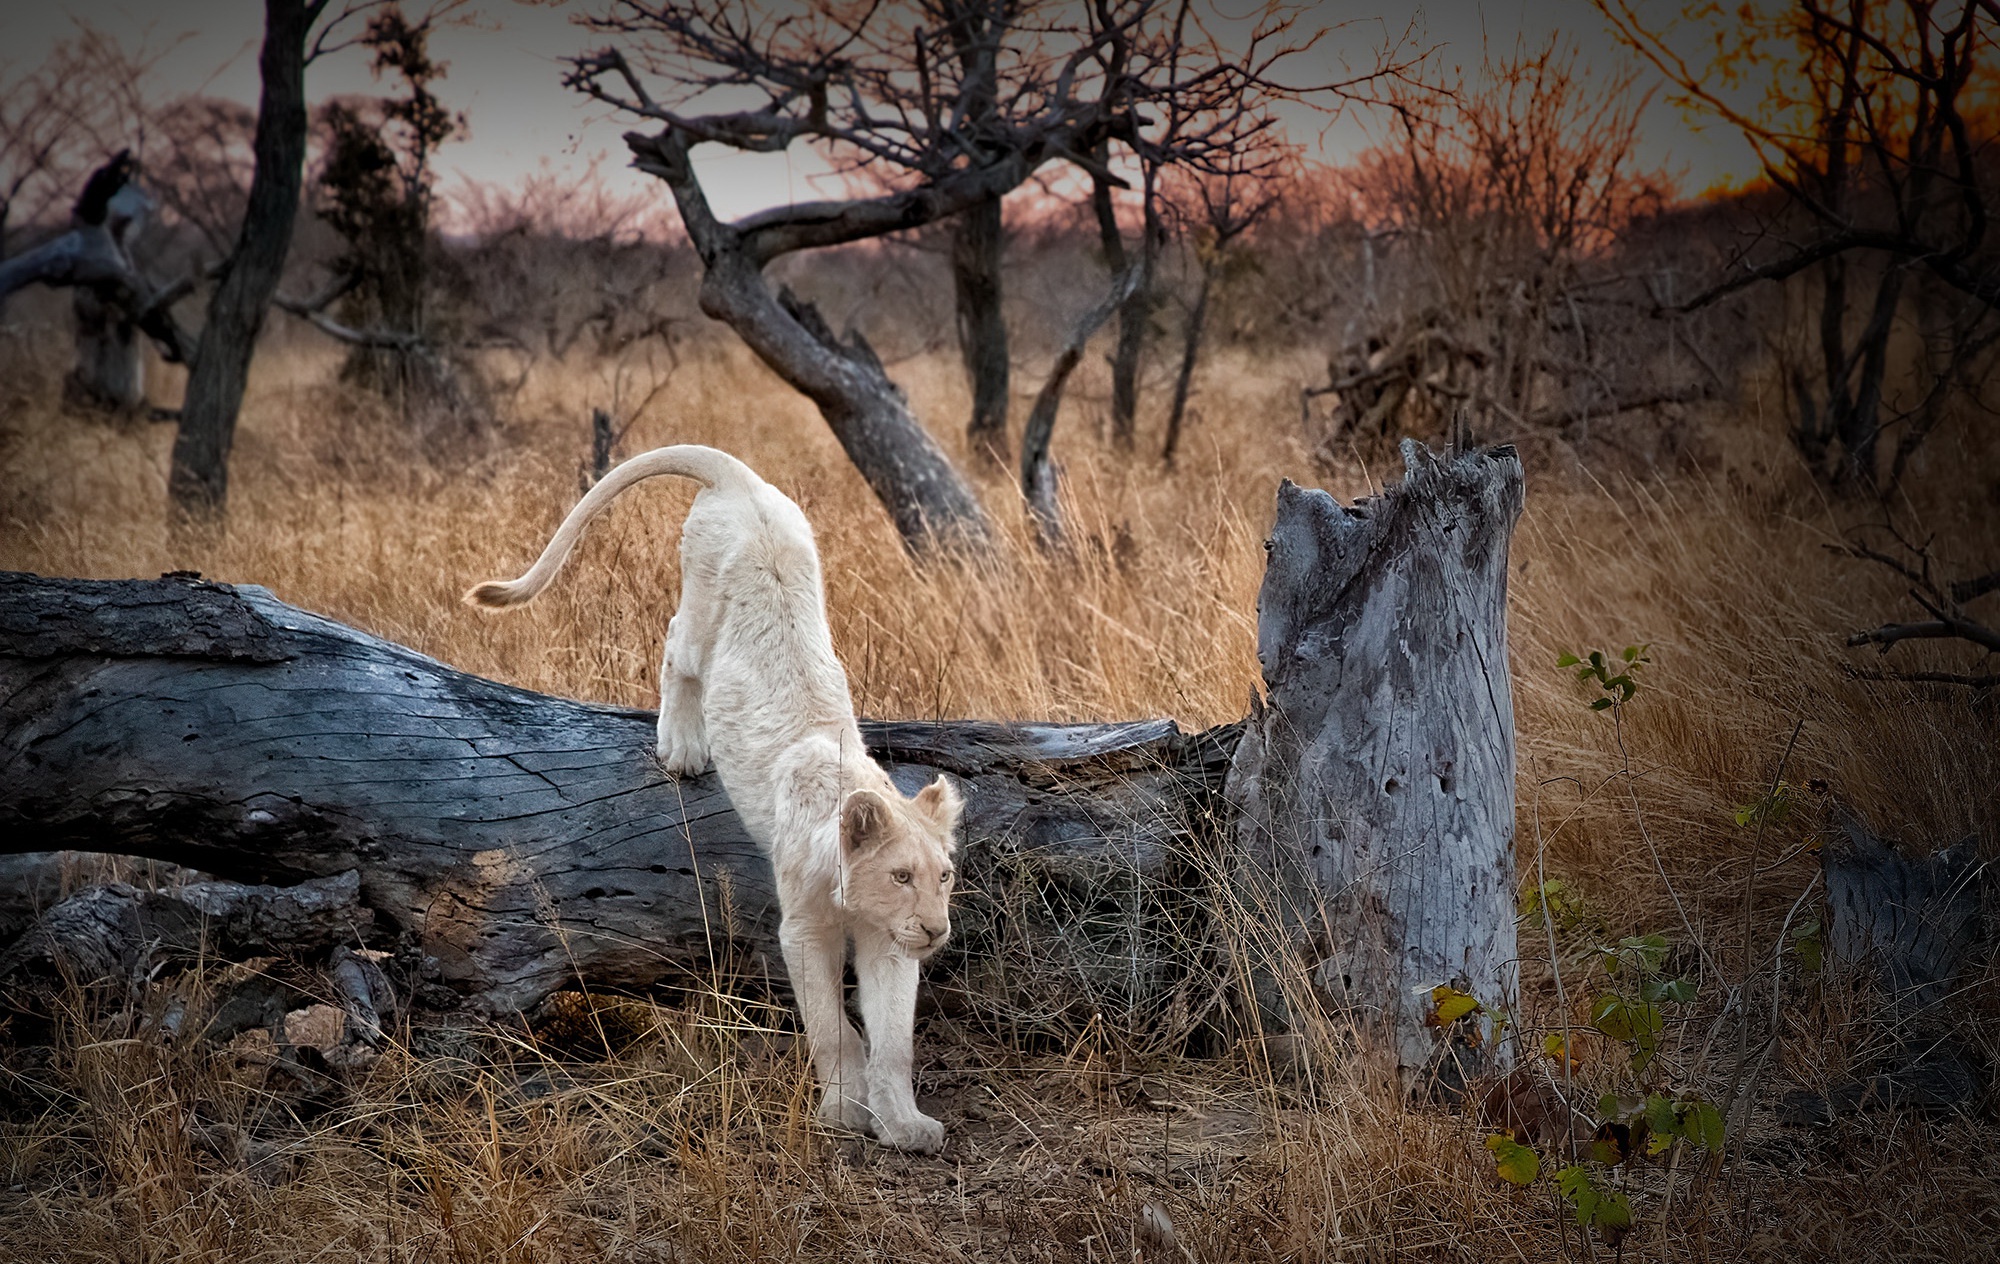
point(690, 1138)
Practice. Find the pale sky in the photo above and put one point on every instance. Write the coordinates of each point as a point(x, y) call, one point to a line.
point(505, 74)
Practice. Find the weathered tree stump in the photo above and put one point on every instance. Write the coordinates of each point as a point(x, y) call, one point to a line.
point(529, 842)
point(1905, 927)
point(1376, 786)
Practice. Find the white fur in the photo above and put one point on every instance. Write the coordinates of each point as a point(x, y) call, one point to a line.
point(750, 678)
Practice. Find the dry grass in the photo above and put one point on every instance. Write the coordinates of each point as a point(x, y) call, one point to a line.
point(691, 1140)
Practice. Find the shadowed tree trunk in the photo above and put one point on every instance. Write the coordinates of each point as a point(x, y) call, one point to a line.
point(976, 241)
point(110, 368)
point(1039, 477)
point(199, 480)
point(1190, 350)
point(1135, 313)
point(1376, 786)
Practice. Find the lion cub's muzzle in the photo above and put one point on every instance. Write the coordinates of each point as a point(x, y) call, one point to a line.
point(921, 939)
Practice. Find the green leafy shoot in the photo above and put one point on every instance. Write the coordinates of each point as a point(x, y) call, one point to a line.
point(1630, 1011)
point(1690, 1119)
point(1606, 1210)
point(1636, 954)
point(1769, 809)
point(1560, 903)
point(1516, 1164)
point(1618, 679)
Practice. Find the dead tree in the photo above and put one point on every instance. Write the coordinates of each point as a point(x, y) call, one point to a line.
point(1945, 601)
point(1906, 927)
point(526, 843)
point(1039, 477)
point(1499, 201)
point(976, 32)
point(948, 122)
point(1375, 786)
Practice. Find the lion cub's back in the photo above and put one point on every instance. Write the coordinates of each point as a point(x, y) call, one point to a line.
point(757, 550)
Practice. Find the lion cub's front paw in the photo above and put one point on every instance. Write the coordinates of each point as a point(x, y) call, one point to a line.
point(848, 1114)
point(920, 1133)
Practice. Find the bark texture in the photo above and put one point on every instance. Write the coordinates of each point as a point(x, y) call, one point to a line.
point(1197, 322)
point(199, 479)
point(1909, 924)
point(1376, 786)
point(110, 930)
point(528, 842)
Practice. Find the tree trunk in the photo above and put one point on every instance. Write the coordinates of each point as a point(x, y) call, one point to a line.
point(110, 369)
point(199, 480)
point(912, 477)
point(976, 242)
point(1133, 313)
point(1039, 480)
point(1190, 351)
point(529, 842)
point(1376, 786)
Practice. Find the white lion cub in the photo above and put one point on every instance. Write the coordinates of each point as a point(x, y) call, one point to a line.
point(750, 677)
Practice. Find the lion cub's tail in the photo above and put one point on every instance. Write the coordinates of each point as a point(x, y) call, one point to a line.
point(707, 466)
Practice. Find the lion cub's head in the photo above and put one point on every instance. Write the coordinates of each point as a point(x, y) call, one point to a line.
point(896, 854)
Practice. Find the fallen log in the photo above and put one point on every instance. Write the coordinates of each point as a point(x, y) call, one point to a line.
point(528, 842)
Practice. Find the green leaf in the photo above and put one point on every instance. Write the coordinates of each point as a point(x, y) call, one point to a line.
point(1706, 1126)
point(1647, 952)
point(1567, 659)
point(1454, 1007)
point(1679, 991)
point(1806, 943)
point(1631, 653)
point(1660, 1115)
point(1608, 1015)
point(1601, 704)
point(1621, 1106)
point(1517, 1164)
point(1613, 1215)
point(1575, 1185)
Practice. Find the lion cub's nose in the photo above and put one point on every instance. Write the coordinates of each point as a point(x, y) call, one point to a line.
point(936, 933)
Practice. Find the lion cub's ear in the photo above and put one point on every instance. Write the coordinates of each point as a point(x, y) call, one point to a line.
point(940, 804)
point(864, 820)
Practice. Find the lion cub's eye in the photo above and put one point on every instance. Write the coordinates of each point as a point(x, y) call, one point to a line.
point(902, 876)
point(945, 877)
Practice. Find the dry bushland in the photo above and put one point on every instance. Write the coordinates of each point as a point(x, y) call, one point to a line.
point(679, 1127)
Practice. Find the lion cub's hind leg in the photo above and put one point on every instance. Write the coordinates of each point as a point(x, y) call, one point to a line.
point(683, 743)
